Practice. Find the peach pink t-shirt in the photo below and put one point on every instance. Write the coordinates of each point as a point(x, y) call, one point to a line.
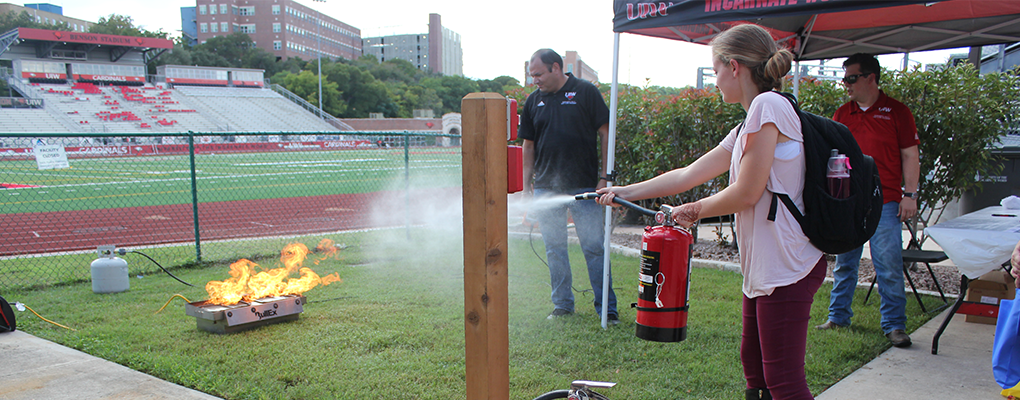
point(772, 254)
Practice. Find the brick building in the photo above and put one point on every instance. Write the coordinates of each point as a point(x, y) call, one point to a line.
point(282, 27)
point(45, 13)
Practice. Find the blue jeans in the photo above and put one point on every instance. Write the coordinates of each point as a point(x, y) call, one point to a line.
point(887, 256)
point(589, 222)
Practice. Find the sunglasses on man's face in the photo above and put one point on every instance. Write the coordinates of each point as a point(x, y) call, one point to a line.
point(852, 79)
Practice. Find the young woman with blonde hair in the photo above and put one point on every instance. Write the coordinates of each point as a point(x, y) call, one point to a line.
point(764, 155)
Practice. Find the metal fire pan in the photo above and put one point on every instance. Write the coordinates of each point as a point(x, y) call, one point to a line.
point(243, 316)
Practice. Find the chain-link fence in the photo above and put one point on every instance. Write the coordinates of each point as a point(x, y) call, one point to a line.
point(188, 198)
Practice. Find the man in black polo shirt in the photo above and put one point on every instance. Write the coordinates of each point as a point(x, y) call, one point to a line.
point(561, 123)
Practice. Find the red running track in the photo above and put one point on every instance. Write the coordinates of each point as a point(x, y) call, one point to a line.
point(47, 232)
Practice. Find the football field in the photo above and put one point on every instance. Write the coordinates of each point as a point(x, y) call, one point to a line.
point(149, 200)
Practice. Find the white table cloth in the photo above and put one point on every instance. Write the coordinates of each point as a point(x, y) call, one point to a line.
point(980, 241)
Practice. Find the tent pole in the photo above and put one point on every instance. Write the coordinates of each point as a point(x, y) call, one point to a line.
point(796, 78)
point(610, 159)
point(1002, 58)
point(906, 61)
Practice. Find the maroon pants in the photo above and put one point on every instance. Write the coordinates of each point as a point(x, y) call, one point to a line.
point(775, 337)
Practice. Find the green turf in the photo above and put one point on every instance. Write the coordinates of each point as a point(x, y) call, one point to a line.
point(394, 328)
point(116, 182)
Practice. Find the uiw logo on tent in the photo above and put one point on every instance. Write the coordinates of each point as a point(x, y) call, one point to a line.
point(645, 10)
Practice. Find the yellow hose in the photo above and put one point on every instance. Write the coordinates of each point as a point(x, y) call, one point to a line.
point(44, 319)
point(172, 299)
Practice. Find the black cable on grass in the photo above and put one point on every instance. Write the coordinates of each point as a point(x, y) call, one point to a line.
point(532, 243)
point(122, 252)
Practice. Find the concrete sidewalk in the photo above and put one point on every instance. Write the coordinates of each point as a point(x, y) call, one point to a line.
point(40, 369)
point(961, 370)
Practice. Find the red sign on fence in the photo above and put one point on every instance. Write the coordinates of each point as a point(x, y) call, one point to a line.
point(200, 148)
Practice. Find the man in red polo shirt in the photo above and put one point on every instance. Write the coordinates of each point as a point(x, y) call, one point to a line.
point(885, 130)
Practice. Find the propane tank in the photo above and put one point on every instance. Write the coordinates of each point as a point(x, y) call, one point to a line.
point(664, 281)
point(109, 273)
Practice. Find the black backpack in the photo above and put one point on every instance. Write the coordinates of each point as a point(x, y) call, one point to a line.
point(834, 226)
point(7, 322)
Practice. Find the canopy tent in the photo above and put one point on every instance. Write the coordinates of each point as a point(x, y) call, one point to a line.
point(815, 29)
point(831, 29)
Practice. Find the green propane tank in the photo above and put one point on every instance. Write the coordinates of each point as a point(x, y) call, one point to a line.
point(109, 273)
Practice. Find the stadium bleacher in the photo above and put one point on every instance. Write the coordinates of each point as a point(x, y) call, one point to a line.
point(86, 107)
point(29, 120)
point(253, 110)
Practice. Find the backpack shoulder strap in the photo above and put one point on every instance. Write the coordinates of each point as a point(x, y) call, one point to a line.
point(776, 197)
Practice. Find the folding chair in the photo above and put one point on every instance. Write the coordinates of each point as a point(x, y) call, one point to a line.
point(914, 255)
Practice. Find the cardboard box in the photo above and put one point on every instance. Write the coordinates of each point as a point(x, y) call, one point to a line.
point(989, 289)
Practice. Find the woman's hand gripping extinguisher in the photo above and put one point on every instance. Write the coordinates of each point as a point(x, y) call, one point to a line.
point(665, 276)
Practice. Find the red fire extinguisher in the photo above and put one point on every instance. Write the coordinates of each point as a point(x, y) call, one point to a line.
point(664, 280)
point(665, 276)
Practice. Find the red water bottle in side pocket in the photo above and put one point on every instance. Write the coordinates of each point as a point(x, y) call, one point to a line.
point(838, 175)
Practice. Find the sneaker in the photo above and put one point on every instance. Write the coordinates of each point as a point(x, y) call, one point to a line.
point(830, 325)
point(559, 312)
point(898, 338)
point(612, 319)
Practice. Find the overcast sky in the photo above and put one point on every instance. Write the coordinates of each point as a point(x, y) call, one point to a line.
point(497, 37)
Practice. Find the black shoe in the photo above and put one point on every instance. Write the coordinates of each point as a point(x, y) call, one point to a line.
point(829, 325)
point(899, 338)
point(757, 394)
point(612, 319)
point(559, 312)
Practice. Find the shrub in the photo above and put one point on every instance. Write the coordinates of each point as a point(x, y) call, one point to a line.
point(958, 113)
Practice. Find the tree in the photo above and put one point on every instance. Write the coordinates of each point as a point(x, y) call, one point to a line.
point(124, 26)
point(501, 84)
point(451, 89)
point(413, 97)
point(23, 19)
point(362, 93)
point(257, 58)
point(232, 48)
point(959, 114)
point(393, 70)
point(306, 86)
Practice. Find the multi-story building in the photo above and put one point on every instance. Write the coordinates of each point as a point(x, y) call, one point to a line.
point(438, 50)
point(45, 13)
point(282, 27)
point(572, 64)
point(189, 26)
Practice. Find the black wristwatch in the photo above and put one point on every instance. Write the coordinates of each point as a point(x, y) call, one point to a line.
point(912, 195)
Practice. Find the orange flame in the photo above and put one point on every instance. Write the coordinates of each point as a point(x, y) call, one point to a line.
point(328, 248)
point(247, 284)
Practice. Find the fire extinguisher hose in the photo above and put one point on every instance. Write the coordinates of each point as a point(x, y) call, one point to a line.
point(617, 200)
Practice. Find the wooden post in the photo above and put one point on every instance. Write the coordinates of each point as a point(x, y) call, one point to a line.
point(487, 340)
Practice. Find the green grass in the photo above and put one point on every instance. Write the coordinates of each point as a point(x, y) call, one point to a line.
point(114, 182)
point(42, 271)
point(394, 329)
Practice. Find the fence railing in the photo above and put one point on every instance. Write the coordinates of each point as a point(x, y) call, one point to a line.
point(205, 197)
point(310, 107)
point(22, 88)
